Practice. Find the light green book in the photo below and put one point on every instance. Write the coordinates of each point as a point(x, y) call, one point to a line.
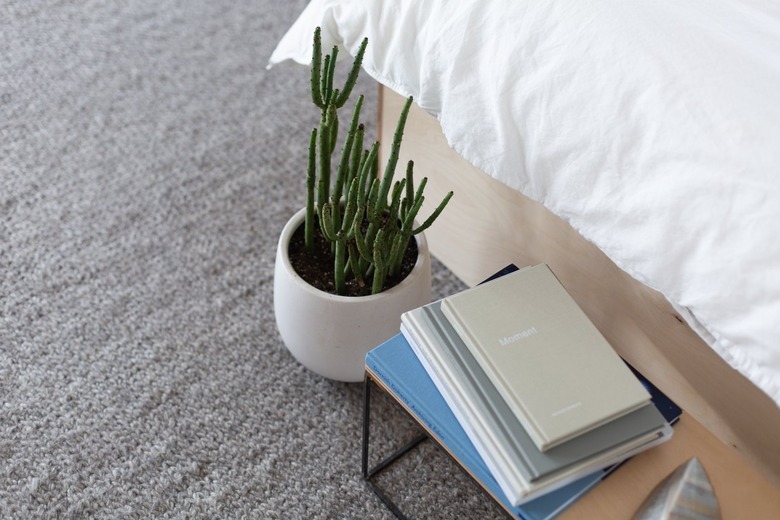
point(547, 360)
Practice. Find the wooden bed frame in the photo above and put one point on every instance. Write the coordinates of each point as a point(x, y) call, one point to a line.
point(488, 225)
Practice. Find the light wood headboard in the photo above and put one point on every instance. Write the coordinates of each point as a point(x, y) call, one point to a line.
point(488, 225)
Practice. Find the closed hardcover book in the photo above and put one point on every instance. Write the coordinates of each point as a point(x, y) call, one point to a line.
point(493, 410)
point(553, 368)
point(520, 468)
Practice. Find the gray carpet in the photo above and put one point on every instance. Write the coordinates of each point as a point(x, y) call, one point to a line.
point(147, 162)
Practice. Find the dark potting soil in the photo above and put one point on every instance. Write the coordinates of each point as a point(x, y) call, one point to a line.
point(317, 268)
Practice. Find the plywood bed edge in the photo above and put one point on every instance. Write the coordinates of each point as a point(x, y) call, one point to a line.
point(488, 225)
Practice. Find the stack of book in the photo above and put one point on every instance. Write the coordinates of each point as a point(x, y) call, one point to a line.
point(542, 396)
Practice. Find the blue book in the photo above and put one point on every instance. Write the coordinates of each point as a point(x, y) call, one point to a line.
point(395, 367)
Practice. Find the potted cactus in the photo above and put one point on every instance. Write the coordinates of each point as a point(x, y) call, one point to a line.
point(355, 257)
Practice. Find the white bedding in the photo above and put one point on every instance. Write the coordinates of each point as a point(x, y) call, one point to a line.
point(653, 128)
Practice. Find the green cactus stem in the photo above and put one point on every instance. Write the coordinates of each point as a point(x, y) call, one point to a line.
point(310, 182)
point(368, 218)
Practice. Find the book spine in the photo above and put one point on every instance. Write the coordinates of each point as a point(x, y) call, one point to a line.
point(453, 348)
point(494, 465)
point(439, 422)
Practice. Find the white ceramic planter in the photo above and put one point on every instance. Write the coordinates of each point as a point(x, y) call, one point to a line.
point(331, 334)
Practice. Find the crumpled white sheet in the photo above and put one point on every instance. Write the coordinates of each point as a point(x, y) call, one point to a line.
point(653, 128)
